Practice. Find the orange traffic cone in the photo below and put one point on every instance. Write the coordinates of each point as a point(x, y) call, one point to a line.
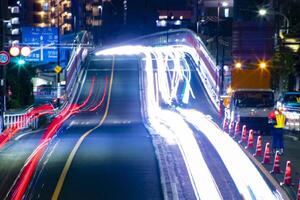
point(258, 151)
point(244, 134)
point(276, 166)
point(287, 180)
point(266, 159)
point(298, 195)
point(231, 128)
point(250, 140)
point(236, 130)
point(225, 124)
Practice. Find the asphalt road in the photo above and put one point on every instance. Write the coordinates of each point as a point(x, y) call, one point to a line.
point(105, 153)
point(13, 156)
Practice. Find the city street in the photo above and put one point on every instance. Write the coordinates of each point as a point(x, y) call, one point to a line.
point(150, 99)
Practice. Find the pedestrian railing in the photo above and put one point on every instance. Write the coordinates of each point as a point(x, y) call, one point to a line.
point(292, 121)
point(20, 120)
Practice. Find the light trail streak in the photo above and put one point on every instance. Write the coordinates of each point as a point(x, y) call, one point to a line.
point(247, 178)
point(171, 126)
point(29, 117)
point(25, 175)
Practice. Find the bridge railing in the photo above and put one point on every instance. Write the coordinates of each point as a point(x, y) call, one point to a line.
point(208, 70)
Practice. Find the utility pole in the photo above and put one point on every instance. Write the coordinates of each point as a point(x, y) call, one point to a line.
point(3, 15)
point(58, 54)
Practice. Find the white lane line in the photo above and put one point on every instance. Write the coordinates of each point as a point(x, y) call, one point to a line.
point(27, 133)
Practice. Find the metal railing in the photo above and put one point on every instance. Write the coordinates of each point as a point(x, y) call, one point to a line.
point(20, 120)
point(292, 121)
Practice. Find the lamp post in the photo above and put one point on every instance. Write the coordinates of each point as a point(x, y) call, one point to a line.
point(264, 12)
point(223, 4)
point(58, 53)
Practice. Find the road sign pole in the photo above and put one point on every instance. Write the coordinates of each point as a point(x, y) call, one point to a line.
point(4, 60)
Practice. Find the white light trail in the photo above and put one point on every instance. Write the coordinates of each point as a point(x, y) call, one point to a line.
point(247, 178)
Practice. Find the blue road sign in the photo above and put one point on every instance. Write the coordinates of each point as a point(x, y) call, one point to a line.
point(4, 58)
point(42, 42)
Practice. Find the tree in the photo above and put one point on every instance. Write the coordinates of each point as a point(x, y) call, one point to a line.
point(282, 68)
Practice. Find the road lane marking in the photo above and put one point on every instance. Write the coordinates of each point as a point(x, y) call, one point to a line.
point(67, 166)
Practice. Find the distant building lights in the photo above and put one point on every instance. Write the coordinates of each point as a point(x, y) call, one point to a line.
point(177, 22)
point(163, 17)
point(161, 23)
point(225, 4)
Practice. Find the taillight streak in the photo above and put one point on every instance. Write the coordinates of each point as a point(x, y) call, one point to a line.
point(18, 189)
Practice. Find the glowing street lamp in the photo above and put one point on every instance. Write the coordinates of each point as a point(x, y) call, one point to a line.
point(238, 65)
point(263, 12)
point(262, 65)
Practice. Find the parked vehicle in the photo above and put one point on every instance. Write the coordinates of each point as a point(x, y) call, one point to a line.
point(250, 98)
point(289, 101)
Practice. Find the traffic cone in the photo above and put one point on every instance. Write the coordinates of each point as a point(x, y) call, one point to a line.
point(244, 134)
point(287, 180)
point(276, 165)
point(266, 159)
point(236, 130)
point(231, 128)
point(225, 124)
point(298, 195)
point(258, 151)
point(250, 140)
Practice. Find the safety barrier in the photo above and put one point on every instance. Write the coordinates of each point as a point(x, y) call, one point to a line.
point(292, 121)
point(19, 120)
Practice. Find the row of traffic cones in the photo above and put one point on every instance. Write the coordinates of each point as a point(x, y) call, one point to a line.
point(234, 131)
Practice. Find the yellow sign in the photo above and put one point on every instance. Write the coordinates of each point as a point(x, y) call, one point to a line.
point(57, 69)
point(298, 99)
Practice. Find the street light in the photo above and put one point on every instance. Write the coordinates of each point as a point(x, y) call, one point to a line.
point(263, 12)
point(223, 4)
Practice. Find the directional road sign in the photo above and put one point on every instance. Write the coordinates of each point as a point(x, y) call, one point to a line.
point(4, 58)
point(43, 42)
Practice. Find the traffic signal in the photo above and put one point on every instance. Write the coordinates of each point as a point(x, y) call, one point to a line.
point(21, 62)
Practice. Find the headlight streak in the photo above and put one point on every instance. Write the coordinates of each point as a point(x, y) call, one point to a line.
point(246, 177)
point(169, 124)
point(203, 72)
point(171, 127)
